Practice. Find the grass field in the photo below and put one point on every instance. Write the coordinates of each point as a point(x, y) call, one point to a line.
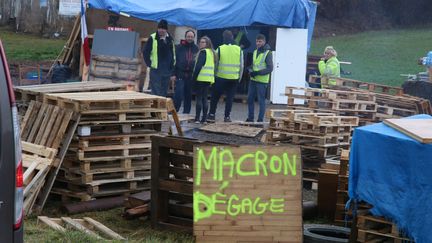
point(25, 47)
point(380, 56)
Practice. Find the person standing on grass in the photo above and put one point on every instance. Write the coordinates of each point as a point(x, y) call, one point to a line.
point(159, 55)
point(262, 66)
point(185, 60)
point(329, 67)
point(228, 74)
point(203, 77)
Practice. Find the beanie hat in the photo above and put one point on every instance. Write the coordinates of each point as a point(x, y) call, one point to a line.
point(163, 24)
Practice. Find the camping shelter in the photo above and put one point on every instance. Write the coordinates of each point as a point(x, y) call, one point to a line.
point(291, 20)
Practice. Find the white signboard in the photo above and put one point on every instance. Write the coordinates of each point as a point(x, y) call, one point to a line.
point(69, 7)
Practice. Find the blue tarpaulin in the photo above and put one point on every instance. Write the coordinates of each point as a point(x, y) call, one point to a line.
point(393, 172)
point(213, 14)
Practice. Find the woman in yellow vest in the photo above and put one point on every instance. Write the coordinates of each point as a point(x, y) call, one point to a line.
point(329, 67)
point(203, 77)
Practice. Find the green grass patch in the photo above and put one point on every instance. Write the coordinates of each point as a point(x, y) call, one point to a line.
point(26, 47)
point(379, 56)
point(133, 230)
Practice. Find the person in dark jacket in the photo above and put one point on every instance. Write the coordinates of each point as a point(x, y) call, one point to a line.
point(185, 61)
point(203, 77)
point(262, 66)
point(228, 74)
point(240, 38)
point(159, 55)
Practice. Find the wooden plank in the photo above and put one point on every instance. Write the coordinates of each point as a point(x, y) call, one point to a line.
point(232, 129)
point(27, 116)
point(49, 126)
point(34, 127)
point(418, 129)
point(43, 127)
point(52, 224)
point(79, 227)
point(104, 229)
point(38, 150)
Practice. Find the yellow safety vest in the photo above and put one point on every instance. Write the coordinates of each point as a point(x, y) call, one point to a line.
point(207, 71)
point(258, 65)
point(238, 38)
point(329, 70)
point(154, 52)
point(229, 62)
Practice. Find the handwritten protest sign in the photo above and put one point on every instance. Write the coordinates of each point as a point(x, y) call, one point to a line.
point(247, 193)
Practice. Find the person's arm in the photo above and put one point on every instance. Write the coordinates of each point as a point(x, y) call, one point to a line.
point(328, 68)
point(199, 64)
point(173, 54)
point(147, 51)
point(241, 66)
point(217, 60)
point(177, 66)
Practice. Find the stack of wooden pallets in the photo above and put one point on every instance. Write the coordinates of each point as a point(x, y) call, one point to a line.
point(320, 135)
point(341, 102)
point(110, 151)
point(391, 102)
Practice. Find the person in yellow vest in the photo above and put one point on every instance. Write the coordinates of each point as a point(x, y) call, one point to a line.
point(329, 67)
point(159, 55)
point(228, 74)
point(203, 77)
point(240, 38)
point(262, 66)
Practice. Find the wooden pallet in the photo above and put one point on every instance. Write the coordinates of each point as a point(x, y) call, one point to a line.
point(351, 83)
point(232, 129)
point(46, 132)
point(371, 228)
point(328, 94)
point(85, 225)
point(172, 188)
point(324, 141)
point(26, 94)
point(100, 189)
point(45, 124)
point(37, 162)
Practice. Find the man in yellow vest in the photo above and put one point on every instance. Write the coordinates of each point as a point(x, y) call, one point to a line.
point(228, 74)
point(240, 38)
point(159, 55)
point(262, 66)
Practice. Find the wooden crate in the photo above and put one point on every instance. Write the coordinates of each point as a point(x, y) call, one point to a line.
point(172, 182)
point(117, 69)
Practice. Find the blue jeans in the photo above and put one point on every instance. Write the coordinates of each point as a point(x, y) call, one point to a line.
point(183, 91)
point(256, 89)
point(159, 81)
point(221, 86)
